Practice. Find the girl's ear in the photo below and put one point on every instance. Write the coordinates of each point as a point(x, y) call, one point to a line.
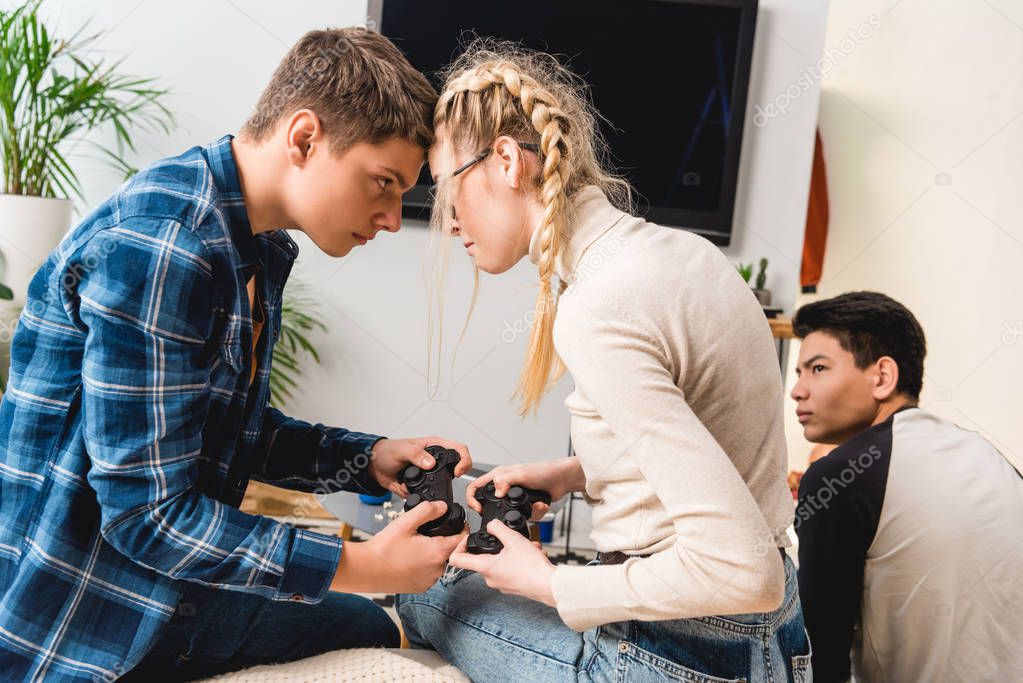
point(512, 161)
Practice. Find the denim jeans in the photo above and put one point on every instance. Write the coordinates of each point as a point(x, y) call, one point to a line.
point(216, 631)
point(495, 637)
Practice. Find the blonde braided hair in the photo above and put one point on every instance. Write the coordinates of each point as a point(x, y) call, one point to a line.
point(498, 88)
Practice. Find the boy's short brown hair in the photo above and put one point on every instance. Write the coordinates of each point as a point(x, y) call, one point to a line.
point(359, 85)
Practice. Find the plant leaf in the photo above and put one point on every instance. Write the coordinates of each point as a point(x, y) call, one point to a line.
point(298, 318)
point(50, 92)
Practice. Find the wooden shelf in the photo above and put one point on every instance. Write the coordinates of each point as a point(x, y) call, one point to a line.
point(781, 328)
point(263, 499)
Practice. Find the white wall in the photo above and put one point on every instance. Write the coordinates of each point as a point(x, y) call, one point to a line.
point(774, 175)
point(217, 56)
point(923, 134)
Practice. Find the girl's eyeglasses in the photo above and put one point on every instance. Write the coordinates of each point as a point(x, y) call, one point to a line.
point(472, 162)
point(469, 164)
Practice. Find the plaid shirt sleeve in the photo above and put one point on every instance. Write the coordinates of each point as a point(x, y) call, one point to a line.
point(315, 458)
point(147, 310)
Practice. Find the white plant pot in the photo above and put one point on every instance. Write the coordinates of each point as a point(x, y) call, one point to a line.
point(30, 228)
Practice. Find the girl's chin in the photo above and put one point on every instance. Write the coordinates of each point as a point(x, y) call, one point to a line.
point(491, 269)
point(487, 263)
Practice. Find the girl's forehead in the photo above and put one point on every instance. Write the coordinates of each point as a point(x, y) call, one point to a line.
point(443, 158)
point(440, 156)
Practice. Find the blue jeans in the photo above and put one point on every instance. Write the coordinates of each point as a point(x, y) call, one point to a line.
point(495, 637)
point(216, 631)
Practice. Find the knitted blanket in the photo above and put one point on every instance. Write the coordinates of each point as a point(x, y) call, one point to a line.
point(361, 664)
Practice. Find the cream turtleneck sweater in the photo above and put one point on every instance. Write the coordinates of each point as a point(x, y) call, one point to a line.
point(676, 418)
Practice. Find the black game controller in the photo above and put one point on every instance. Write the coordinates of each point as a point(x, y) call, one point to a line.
point(514, 509)
point(435, 484)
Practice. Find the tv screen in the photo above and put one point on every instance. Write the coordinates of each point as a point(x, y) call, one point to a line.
point(669, 76)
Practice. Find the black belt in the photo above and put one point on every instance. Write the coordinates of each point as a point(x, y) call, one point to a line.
point(618, 557)
point(615, 557)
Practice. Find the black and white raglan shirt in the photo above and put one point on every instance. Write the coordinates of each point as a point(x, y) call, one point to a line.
point(911, 556)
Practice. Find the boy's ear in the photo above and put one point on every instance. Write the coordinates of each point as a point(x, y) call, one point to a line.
point(302, 133)
point(886, 380)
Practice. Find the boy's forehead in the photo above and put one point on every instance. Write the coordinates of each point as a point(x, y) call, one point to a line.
point(394, 155)
point(820, 343)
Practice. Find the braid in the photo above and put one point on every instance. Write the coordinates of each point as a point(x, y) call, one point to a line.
point(497, 88)
point(505, 83)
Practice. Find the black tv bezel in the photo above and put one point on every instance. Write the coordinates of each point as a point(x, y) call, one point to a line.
point(717, 225)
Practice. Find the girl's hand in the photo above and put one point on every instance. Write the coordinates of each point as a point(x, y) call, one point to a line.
point(521, 568)
point(557, 477)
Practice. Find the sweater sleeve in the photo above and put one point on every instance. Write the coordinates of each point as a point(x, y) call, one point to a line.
point(840, 501)
point(718, 564)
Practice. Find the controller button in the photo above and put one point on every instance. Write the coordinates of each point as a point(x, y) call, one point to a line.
point(413, 475)
point(516, 494)
point(413, 500)
point(514, 519)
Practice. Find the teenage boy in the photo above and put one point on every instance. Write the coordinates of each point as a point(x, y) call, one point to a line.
point(137, 413)
point(910, 542)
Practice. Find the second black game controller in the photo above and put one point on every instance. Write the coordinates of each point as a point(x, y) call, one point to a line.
point(435, 484)
point(514, 509)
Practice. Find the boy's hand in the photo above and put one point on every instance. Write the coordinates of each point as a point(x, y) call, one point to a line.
point(398, 559)
point(391, 456)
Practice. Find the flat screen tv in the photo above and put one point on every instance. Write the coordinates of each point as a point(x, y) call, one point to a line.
point(669, 76)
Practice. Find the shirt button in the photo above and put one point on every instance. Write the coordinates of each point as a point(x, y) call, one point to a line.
point(296, 597)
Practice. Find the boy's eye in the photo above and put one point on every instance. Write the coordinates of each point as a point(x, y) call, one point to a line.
point(384, 182)
point(817, 367)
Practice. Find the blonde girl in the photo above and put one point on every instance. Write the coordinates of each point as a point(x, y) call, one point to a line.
point(675, 417)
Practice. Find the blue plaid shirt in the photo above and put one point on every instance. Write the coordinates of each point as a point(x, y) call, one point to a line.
point(129, 429)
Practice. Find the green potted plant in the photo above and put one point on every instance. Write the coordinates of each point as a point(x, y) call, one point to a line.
point(298, 320)
point(745, 271)
point(50, 93)
point(763, 295)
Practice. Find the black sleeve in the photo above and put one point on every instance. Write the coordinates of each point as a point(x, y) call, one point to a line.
point(840, 499)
